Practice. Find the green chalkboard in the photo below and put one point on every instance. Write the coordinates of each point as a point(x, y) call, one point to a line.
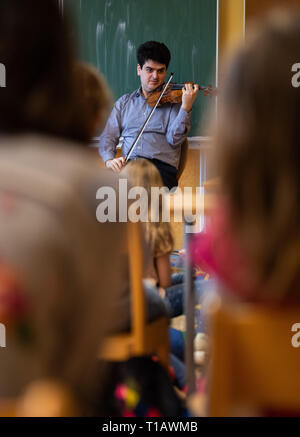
point(109, 32)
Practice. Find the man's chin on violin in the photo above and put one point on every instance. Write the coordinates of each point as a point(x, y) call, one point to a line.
point(162, 148)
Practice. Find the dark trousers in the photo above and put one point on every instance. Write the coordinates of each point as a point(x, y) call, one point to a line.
point(168, 172)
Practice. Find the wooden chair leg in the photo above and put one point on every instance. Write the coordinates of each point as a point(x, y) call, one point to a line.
point(163, 351)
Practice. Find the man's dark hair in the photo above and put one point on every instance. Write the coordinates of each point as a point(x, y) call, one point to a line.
point(156, 51)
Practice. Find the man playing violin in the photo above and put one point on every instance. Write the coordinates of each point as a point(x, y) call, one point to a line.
point(168, 127)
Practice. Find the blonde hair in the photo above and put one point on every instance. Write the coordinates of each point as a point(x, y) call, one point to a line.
point(142, 173)
point(258, 138)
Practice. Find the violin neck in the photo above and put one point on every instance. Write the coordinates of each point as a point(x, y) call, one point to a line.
point(179, 86)
point(176, 86)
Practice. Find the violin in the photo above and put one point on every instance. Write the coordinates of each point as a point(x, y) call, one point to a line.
point(170, 93)
point(173, 93)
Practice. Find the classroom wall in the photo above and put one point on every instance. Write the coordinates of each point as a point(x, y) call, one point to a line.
point(234, 17)
point(231, 25)
point(256, 8)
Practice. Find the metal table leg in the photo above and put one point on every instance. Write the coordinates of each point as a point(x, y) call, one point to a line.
point(189, 309)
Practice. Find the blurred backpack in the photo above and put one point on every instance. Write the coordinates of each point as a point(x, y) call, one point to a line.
point(139, 387)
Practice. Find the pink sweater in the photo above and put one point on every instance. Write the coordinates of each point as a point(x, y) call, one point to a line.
point(217, 252)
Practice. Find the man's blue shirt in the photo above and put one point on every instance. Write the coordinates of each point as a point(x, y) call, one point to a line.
point(165, 132)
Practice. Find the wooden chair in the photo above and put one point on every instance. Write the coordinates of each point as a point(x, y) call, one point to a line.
point(183, 158)
point(144, 338)
point(182, 161)
point(253, 364)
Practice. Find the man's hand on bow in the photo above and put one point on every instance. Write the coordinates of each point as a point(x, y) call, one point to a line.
point(116, 164)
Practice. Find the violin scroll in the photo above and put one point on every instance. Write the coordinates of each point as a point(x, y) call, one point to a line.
point(208, 91)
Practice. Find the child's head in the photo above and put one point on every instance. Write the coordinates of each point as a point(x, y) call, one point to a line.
point(142, 173)
point(37, 54)
point(41, 95)
point(258, 138)
point(93, 96)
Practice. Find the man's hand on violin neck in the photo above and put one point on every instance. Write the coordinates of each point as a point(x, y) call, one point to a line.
point(189, 94)
point(116, 164)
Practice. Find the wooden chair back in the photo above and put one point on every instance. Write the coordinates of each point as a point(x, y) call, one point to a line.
point(254, 361)
point(144, 338)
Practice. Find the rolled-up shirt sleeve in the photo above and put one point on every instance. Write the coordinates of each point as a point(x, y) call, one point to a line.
point(179, 126)
point(110, 136)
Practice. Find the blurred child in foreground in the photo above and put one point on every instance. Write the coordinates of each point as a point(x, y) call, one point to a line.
point(57, 286)
point(253, 242)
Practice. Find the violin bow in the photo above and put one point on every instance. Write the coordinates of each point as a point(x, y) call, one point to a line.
point(148, 119)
